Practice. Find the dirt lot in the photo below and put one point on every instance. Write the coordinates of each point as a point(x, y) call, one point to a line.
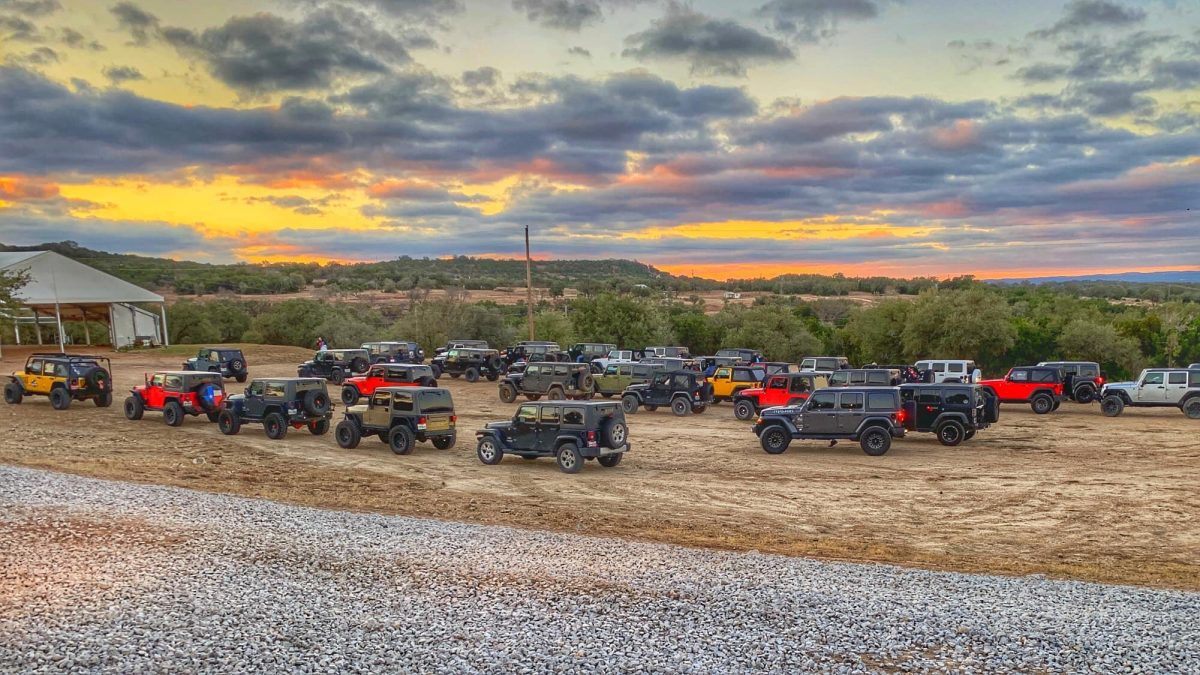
point(1072, 494)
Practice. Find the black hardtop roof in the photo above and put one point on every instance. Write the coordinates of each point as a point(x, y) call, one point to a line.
point(1068, 363)
point(936, 385)
point(1034, 368)
point(865, 390)
point(191, 373)
point(341, 349)
point(562, 363)
point(64, 355)
point(583, 404)
point(223, 349)
point(400, 366)
point(286, 380)
point(410, 390)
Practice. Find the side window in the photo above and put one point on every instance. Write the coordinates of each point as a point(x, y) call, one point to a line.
point(1044, 376)
point(527, 414)
point(822, 401)
point(858, 378)
point(721, 374)
point(779, 383)
point(34, 368)
point(881, 401)
point(257, 388)
point(958, 397)
point(572, 416)
point(550, 415)
point(378, 372)
point(840, 377)
point(533, 370)
point(682, 382)
point(380, 400)
point(626, 370)
point(851, 401)
point(1177, 378)
point(157, 380)
point(276, 389)
point(174, 382)
point(662, 379)
point(877, 378)
point(561, 371)
point(1019, 376)
point(908, 394)
point(939, 367)
point(954, 368)
point(1154, 378)
point(612, 370)
point(930, 397)
point(402, 401)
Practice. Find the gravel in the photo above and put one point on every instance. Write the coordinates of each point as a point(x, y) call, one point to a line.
point(99, 576)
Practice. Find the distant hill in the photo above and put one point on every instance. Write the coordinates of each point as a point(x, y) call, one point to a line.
point(1169, 277)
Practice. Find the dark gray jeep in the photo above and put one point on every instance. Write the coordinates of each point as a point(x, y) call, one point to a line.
point(228, 362)
point(873, 416)
point(335, 365)
point(556, 381)
point(569, 431)
point(278, 403)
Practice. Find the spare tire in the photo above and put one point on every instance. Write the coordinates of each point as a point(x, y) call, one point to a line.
point(316, 402)
point(587, 382)
point(97, 378)
point(236, 366)
point(614, 434)
point(494, 363)
point(427, 381)
point(206, 396)
point(359, 365)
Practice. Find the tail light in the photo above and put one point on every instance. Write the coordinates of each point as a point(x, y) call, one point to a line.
point(453, 419)
point(422, 422)
point(591, 439)
point(81, 382)
point(901, 416)
point(1100, 380)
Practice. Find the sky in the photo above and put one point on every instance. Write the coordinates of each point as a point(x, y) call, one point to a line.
point(721, 139)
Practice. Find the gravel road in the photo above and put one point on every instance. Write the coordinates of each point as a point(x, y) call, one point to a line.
point(115, 577)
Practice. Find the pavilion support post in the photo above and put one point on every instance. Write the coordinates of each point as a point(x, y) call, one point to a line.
point(162, 308)
point(37, 326)
point(17, 330)
point(87, 333)
point(62, 345)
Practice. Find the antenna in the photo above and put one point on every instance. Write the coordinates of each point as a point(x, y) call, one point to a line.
point(528, 285)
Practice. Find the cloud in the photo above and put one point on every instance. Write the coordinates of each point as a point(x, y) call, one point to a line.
point(16, 29)
point(76, 40)
point(481, 78)
point(579, 51)
point(266, 53)
point(140, 24)
point(816, 20)
point(1041, 72)
point(31, 7)
point(119, 74)
point(712, 46)
point(1088, 14)
point(38, 56)
point(569, 15)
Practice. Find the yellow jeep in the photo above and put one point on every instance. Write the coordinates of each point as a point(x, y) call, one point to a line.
point(63, 378)
point(729, 380)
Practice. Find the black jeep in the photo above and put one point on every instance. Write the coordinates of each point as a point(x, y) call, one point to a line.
point(870, 415)
point(335, 365)
point(394, 352)
point(228, 362)
point(685, 391)
point(470, 363)
point(401, 416)
point(586, 352)
point(438, 362)
point(952, 411)
point(278, 403)
point(534, 350)
point(1082, 380)
point(555, 381)
point(571, 432)
point(866, 377)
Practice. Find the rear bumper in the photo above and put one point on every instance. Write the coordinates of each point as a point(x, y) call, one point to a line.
point(603, 452)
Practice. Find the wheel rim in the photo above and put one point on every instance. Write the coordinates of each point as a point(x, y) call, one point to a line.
point(566, 458)
point(1110, 406)
point(343, 436)
point(950, 434)
point(1193, 410)
point(618, 435)
point(170, 415)
point(775, 439)
point(487, 450)
point(875, 442)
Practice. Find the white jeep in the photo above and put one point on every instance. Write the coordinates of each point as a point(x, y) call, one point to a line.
point(1155, 388)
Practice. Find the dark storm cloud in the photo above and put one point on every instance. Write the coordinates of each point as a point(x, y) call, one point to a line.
point(711, 46)
point(842, 116)
point(119, 74)
point(816, 20)
point(30, 7)
point(140, 24)
point(1088, 14)
point(264, 52)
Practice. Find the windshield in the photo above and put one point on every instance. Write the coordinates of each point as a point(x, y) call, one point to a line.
point(436, 402)
point(79, 368)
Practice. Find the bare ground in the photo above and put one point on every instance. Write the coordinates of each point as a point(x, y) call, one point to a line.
point(1072, 494)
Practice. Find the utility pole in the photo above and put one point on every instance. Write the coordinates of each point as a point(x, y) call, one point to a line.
point(528, 285)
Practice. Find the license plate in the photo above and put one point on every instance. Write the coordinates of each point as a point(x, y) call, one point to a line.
point(435, 424)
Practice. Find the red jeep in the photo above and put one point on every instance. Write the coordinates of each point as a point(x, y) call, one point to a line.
point(177, 393)
point(780, 389)
point(1041, 387)
point(387, 375)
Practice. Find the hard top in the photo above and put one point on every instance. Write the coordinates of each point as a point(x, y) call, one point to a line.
point(335, 352)
point(187, 373)
point(576, 366)
point(594, 344)
point(399, 367)
point(538, 343)
point(408, 390)
point(1068, 363)
point(935, 385)
point(1168, 369)
point(287, 380)
point(472, 350)
point(65, 356)
point(870, 390)
point(223, 350)
point(386, 342)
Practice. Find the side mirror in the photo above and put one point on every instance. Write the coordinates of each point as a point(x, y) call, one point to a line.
point(246, 391)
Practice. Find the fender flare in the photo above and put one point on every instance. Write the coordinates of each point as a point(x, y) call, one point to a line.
point(873, 422)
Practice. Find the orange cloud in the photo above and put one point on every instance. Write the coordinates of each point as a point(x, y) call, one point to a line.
point(21, 188)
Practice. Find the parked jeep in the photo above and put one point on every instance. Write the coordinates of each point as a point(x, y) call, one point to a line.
point(778, 367)
point(400, 417)
point(278, 403)
point(394, 352)
point(908, 374)
point(438, 362)
point(228, 362)
point(556, 381)
point(335, 365)
point(618, 376)
point(1155, 388)
point(954, 412)
point(470, 363)
point(571, 432)
point(177, 394)
point(62, 378)
point(534, 350)
point(708, 364)
point(866, 377)
point(1082, 380)
point(824, 364)
point(666, 352)
point(780, 389)
point(615, 356)
point(744, 356)
point(937, 371)
point(673, 363)
point(872, 416)
point(727, 381)
point(586, 352)
point(1040, 387)
point(387, 375)
point(685, 391)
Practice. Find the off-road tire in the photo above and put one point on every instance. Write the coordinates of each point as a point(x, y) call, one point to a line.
point(508, 393)
point(401, 440)
point(1085, 393)
point(350, 395)
point(775, 439)
point(629, 403)
point(237, 367)
point(744, 410)
point(444, 442)
point(359, 365)
point(556, 393)
point(533, 397)
point(614, 434)
point(60, 399)
point(427, 381)
point(173, 413)
point(337, 376)
point(1042, 404)
point(609, 461)
point(699, 408)
point(13, 394)
point(488, 451)
point(681, 406)
point(275, 426)
point(103, 400)
point(1112, 405)
point(228, 423)
point(316, 402)
point(495, 364)
point(1191, 408)
point(134, 408)
point(212, 416)
point(568, 458)
point(347, 435)
point(875, 441)
point(241, 378)
point(97, 378)
point(492, 375)
point(951, 433)
point(318, 427)
point(471, 374)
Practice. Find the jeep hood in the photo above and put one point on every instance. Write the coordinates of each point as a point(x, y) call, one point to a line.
point(357, 409)
point(1121, 385)
point(506, 424)
point(752, 391)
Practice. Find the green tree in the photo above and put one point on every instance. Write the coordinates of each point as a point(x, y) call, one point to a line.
point(975, 323)
point(188, 322)
point(621, 320)
point(1084, 340)
point(876, 334)
point(555, 327)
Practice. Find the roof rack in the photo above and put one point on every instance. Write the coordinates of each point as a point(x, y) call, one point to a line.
point(64, 355)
